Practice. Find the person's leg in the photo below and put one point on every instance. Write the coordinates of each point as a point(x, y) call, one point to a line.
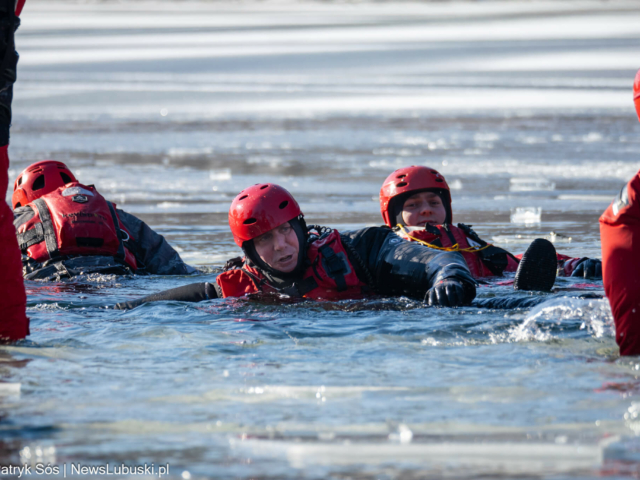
point(14, 324)
point(620, 236)
point(509, 302)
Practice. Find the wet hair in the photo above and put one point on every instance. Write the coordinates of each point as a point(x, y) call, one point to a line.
point(300, 227)
point(397, 203)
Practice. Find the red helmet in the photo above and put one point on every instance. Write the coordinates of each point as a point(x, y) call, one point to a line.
point(410, 179)
point(260, 208)
point(39, 179)
point(636, 93)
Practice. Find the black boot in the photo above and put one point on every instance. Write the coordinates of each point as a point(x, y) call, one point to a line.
point(9, 23)
point(537, 269)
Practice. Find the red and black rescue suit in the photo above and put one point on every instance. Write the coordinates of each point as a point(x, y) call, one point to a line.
point(338, 266)
point(483, 259)
point(74, 230)
point(619, 230)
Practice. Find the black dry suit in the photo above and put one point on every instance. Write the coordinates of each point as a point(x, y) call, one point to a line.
point(383, 262)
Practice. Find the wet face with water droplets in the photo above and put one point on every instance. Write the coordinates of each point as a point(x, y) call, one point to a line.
point(423, 208)
point(279, 248)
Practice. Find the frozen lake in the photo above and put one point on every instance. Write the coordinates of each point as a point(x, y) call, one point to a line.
point(170, 109)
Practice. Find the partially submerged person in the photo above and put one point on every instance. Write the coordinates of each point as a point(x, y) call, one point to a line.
point(282, 255)
point(620, 235)
point(416, 202)
point(65, 228)
point(14, 324)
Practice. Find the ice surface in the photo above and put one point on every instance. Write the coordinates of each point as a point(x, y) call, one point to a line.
point(172, 108)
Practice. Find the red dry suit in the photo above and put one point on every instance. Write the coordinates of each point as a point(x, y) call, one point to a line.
point(619, 230)
point(74, 220)
point(483, 259)
point(330, 275)
point(14, 324)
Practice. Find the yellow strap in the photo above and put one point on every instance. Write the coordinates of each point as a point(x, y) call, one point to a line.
point(453, 248)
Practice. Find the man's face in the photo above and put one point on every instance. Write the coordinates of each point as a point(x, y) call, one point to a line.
point(423, 208)
point(279, 248)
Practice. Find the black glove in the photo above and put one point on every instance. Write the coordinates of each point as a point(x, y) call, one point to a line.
point(449, 293)
point(588, 268)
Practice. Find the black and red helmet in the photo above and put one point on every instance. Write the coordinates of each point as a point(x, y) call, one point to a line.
point(39, 179)
point(411, 180)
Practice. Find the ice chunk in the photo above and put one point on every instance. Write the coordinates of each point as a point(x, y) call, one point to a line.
point(526, 215)
point(519, 184)
point(455, 185)
point(222, 174)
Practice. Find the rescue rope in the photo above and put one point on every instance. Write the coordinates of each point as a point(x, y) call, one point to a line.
point(454, 248)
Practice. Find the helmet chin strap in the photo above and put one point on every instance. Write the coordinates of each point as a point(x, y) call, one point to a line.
point(276, 276)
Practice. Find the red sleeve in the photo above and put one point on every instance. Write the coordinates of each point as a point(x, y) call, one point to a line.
point(567, 264)
point(513, 262)
point(619, 232)
point(14, 323)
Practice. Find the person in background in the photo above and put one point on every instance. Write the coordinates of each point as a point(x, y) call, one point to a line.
point(416, 202)
point(284, 256)
point(14, 324)
point(65, 228)
point(620, 237)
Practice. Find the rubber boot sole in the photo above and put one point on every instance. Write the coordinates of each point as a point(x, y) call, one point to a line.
point(537, 269)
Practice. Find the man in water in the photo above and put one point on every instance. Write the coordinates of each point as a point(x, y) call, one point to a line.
point(283, 256)
point(65, 228)
point(14, 324)
point(620, 236)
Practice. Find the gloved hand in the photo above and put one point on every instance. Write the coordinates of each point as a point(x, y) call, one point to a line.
point(447, 293)
point(588, 268)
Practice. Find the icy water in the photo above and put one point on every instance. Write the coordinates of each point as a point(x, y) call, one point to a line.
point(170, 109)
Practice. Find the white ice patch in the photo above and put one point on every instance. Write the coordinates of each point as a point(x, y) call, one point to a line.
point(9, 389)
point(455, 185)
point(185, 152)
point(526, 215)
point(222, 174)
point(519, 184)
point(587, 198)
point(527, 239)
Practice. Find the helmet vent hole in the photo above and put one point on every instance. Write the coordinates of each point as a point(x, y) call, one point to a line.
point(401, 184)
point(249, 221)
point(38, 183)
point(283, 204)
point(65, 178)
point(243, 197)
point(439, 180)
point(434, 172)
point(20, 181)
point(263, 187)
point(402, 176)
